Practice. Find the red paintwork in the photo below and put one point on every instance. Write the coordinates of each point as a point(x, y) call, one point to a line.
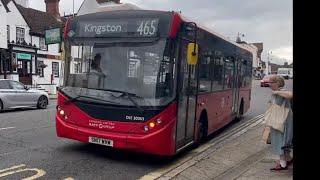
point(126, 135)
point(66, 29)
point(219, 113)
point(265, 82)
point(176, 23)
point(159, 140)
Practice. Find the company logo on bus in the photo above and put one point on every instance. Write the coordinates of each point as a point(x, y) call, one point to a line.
point(101, 125)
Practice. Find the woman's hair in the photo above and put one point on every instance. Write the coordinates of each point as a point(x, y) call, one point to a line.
point(279, 80)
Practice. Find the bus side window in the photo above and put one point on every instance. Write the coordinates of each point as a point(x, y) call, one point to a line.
point(204, 75)
point(217, 69)
point(228, 74)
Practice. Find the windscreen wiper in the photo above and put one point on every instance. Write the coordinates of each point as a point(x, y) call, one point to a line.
point(88, 97)
point(117, 91)
point(129, 95)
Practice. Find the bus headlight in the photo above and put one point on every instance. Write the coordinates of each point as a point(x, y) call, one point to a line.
point(61, 112)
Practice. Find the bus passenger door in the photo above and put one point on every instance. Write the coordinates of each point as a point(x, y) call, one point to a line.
point(236, 85)
point(187, 90)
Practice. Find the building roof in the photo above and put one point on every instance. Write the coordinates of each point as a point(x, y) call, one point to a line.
point(5, 4)
point(38, 21)
point(259, 46)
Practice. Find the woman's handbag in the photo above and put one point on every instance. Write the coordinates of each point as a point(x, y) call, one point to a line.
point(266, 135)
point(276, 116)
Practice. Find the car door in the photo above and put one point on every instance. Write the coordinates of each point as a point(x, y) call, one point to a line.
point(23, 96)
point(7, 94)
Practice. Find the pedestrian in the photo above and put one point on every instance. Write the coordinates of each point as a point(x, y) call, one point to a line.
point(281, 138)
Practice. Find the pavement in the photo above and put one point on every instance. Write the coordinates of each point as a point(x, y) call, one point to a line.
point(243, 156)
point(53, 96)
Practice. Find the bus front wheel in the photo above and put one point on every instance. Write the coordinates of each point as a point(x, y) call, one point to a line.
point(202, 128)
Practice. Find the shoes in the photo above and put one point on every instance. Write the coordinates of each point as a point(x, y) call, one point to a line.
point(279, 168)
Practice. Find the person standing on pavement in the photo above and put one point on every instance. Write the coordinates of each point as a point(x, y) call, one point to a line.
point(281, 140)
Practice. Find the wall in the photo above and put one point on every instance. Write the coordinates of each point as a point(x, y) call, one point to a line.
point(53, 49)
point(14, 77)
point(24, 3)
point(47, 73)
point(15, 19)
point(3, 27)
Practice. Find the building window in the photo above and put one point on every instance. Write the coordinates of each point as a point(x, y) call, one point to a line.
point(40, 68)
point(42, 44)
point(20, 35)
point(8, 33)
point(55, 69)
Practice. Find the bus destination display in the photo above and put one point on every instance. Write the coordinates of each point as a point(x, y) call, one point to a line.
point(113, 28)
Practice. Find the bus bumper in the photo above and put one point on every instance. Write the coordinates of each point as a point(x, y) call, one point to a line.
point(160, 142)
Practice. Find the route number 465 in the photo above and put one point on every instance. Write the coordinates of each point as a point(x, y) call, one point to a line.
point(147, 28)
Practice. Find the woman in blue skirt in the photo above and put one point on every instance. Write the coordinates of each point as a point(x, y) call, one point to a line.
point(281, 141)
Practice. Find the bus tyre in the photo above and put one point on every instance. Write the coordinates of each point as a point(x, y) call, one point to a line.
point(202, 130)
point(240, 112)
point(42, 102)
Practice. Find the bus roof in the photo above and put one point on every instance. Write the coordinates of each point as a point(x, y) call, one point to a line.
point(201, 26)
point(128, 6)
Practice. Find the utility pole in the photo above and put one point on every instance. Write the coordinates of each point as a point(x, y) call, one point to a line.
point(73, 8)
point(267, 63)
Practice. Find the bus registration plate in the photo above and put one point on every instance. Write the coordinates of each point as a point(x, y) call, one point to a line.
point(105, 142)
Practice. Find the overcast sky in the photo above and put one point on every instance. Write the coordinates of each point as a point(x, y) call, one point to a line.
point(267, 21)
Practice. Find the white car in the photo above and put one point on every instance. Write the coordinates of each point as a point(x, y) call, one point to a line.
point(14, 95)
point(286, 73)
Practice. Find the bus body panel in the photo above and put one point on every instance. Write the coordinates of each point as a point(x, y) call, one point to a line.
point(245, 94)
point(126, 135)
point(218, 106)
point(160, 140)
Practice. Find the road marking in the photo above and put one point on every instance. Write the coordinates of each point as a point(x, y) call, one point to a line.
point(13, 167)
point(191, 158)
point(21, 168)
point(7, 128)
point(68, 178)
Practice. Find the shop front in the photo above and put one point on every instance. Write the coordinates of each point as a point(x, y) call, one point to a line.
point(22, 64)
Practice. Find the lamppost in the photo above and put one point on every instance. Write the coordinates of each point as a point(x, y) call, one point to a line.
point(267, 64)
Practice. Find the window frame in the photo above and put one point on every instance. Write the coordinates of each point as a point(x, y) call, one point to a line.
point(23, 33)
point(53, 70)
point(5, 83)
point(43, 47)
point(40, 69)
point(23, 86)
point(8, 33)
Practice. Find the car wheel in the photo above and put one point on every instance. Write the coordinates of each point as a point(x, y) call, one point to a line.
point(42, 102)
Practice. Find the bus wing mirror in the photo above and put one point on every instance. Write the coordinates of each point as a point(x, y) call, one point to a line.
point(192, 54)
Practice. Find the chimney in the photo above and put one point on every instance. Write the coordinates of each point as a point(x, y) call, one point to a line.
point(52, 7)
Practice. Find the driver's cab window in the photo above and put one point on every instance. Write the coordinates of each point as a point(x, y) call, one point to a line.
point(16, 85)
